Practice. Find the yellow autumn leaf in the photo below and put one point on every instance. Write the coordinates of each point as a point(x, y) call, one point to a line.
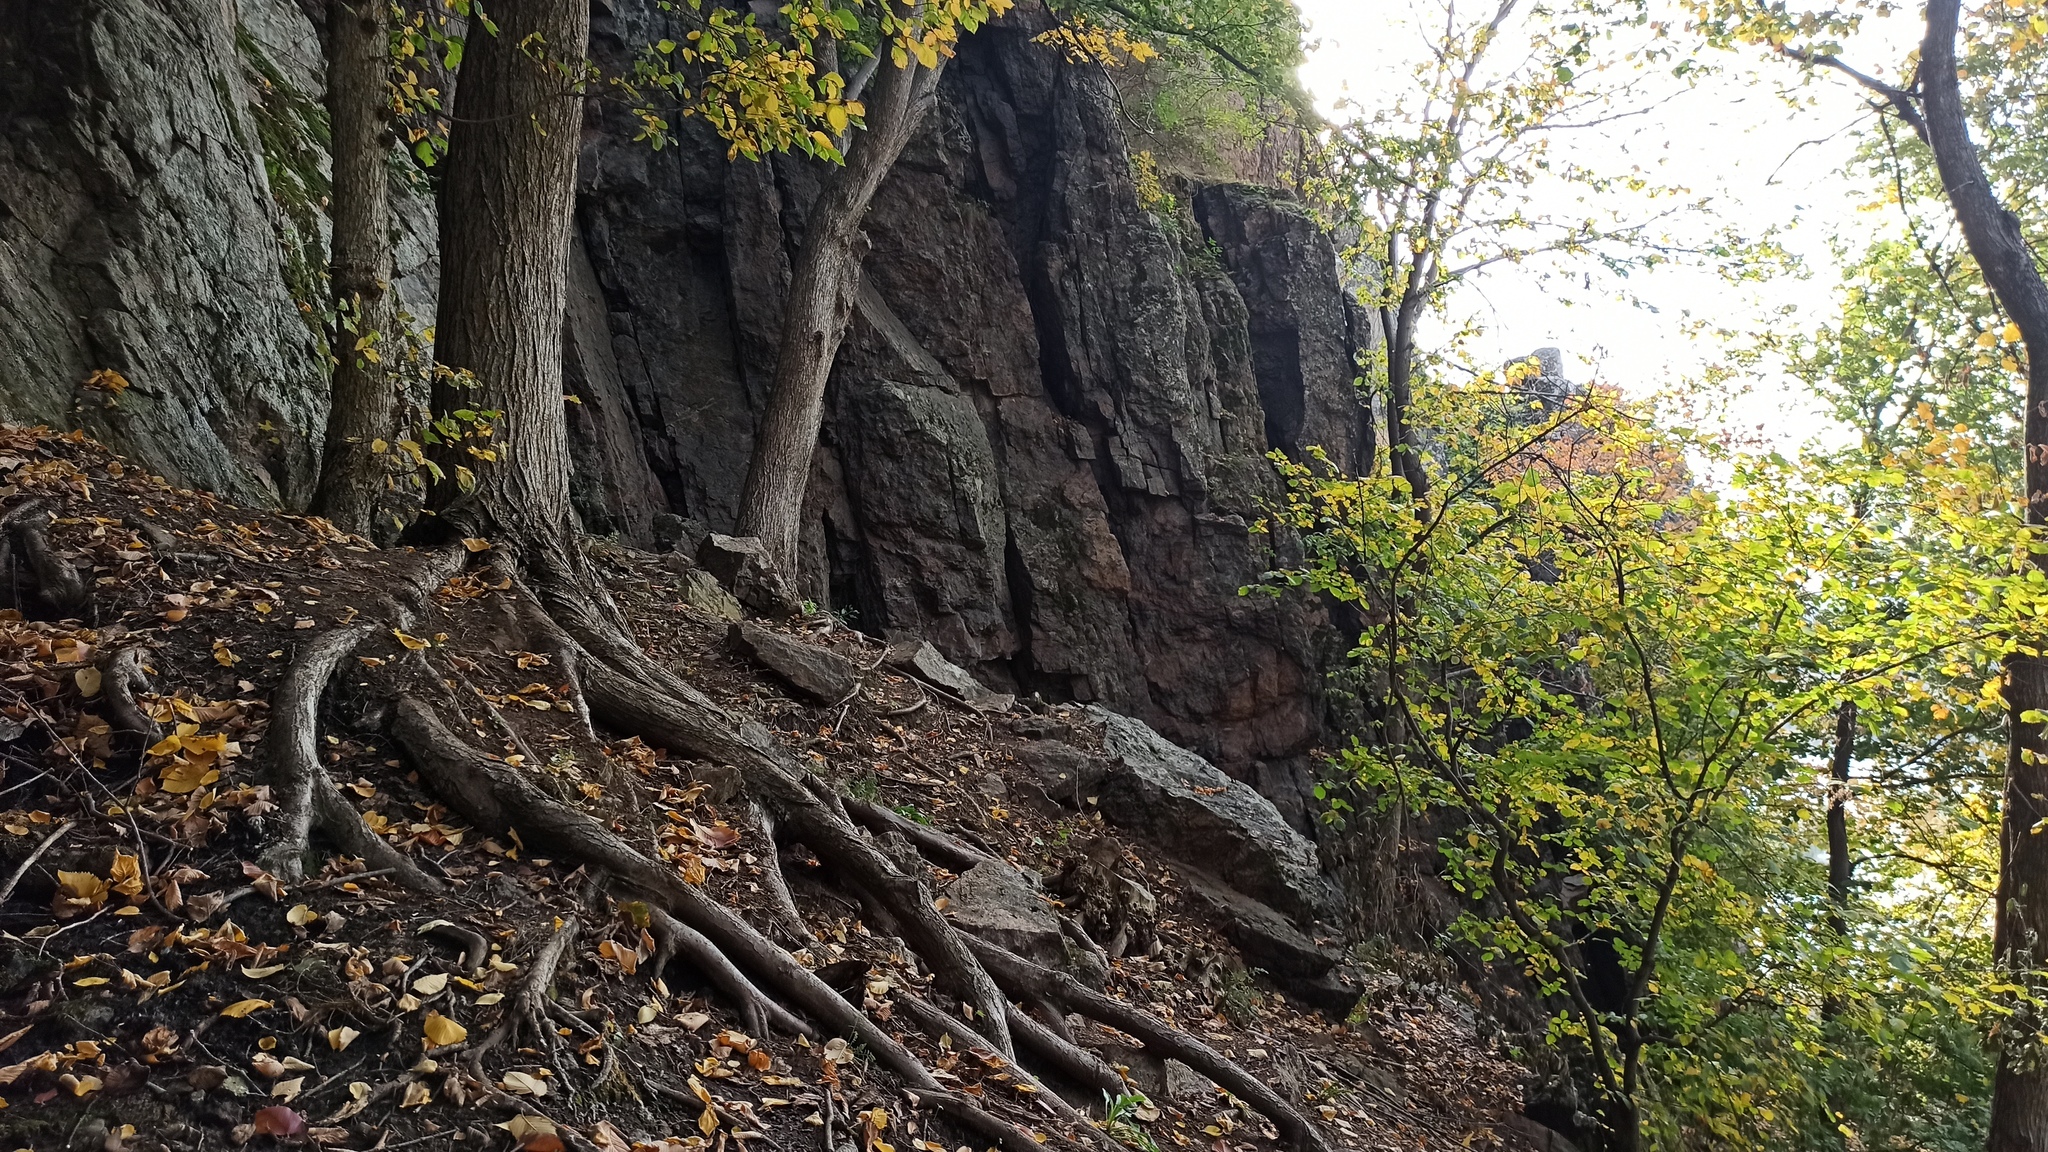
point(441, 1031)
point(707, 1123)
point(476, 544)
point(340, 1038)
point(88, 681)
point(412, 642)
point(2012, 333)
point(416, 1094)
point(300, 916)
point(430, 984)
point(187, 776)
point(241, 1008)
point(125, 876)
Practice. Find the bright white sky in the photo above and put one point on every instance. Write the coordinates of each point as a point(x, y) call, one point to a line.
point(1733, 138)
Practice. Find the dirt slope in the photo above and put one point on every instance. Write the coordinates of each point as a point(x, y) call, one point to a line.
point(161, 989)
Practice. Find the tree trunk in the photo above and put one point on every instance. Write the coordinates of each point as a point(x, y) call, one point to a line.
point(506, 206)
point(2019, 1099)
point(366, 404)
point(1838, 834)
point(820, 302)
point(1407, 453)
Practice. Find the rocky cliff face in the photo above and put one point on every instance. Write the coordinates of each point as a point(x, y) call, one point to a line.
point(1047, 432)
point(1048, 427)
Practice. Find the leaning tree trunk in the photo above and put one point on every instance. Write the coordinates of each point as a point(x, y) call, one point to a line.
point(506, 205)
point(2019, 1098)
point(366, 405)
point(820, 302)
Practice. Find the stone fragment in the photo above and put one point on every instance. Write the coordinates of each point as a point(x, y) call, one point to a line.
point(997, 903)
point(1265, 938)
point(819, 674)
point(923, 661)
point(673, 533)
point(701, 591)
point(742, 567)
point(1193, 812)
point(1184, 1085)
point(1063, 772)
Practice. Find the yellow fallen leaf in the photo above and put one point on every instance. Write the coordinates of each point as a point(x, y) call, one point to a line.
point(489, 998)
point(88, 681)
point(476, 544)
point(416, 1094)
point(289, 1088)
point(300, 916)
point(441, 1031)
point(707, 1121)
point(242, 1008)
point(89, 981)
point(430, 984)
point(263, 972)
point(412, 642)
point(184, 775)
point(340, 1038)
point(125, 876)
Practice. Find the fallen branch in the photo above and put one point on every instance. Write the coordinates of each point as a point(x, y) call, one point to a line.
point(20, 870)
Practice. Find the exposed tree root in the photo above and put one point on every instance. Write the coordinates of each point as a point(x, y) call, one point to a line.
point(937, 846)
point(1032, 980)
point(782, 911)
point(936, 1022)
point(667, 711)
point(306, 797)
point(121, 677)
point(302, 790)
point(529, 1007)
point(674, 938)
point(27, 528)
point(1061, 1055)
point(495, 796)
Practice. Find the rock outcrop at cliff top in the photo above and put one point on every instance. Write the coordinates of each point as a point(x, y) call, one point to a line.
point(1047, 429)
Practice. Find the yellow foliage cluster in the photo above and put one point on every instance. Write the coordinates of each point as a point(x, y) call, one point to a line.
point(1086, 42)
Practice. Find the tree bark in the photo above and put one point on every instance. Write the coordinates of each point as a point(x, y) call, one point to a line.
point(820, 302)
point(506, 206)
point(1839, 869)
point(2019, 1099)
point(366, 406)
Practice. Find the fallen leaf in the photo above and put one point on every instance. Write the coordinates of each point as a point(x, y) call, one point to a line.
point(260, 973)
point(523, 1084)
point(441, 1031)
point(416, 1094)
point(430, 984)
point(242, 1008)
point(88, 681)
point(340, 1038)
point(286, 1089)
point(300, 916)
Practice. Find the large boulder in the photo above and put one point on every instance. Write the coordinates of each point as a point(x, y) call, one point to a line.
point(742, 566)
point(1195, 813)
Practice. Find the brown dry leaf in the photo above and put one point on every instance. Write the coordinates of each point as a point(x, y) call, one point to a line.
point(523, 1084)
point(609, 1139)
point(416, 1094)
point(759, 1060)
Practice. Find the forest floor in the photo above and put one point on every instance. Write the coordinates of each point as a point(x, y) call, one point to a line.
point(159, 989)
